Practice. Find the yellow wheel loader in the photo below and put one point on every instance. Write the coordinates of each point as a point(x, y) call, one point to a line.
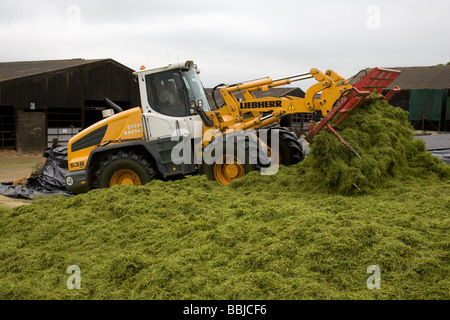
point(176, 133)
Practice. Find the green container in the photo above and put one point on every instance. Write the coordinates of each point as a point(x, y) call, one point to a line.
point(428, 105)
point(447, 112)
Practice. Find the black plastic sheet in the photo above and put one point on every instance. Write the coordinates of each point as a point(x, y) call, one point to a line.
point(443, 154)
point(50, 179)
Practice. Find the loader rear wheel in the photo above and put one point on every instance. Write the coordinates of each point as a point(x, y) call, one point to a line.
point(124, 177)
point(123, 168)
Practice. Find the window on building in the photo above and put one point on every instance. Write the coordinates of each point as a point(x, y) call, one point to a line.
point(301, 120)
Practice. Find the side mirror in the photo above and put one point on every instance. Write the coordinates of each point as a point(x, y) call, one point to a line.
point(205, 119)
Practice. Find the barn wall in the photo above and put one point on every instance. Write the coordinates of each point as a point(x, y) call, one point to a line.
point(79, 88)
point(72, 88)
point(400, 100)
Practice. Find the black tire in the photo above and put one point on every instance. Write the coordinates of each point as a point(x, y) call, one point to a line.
point(132, 162)
point(248, 164)
point(290, 148)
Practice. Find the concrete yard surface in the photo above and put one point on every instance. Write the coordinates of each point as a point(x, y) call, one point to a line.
point(17, 168)
point(437, 144)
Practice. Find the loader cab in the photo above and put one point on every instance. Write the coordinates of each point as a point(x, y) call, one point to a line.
point(173, 90)
point(169, 96)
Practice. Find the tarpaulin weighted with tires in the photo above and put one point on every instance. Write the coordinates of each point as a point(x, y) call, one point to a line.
point(50, 179)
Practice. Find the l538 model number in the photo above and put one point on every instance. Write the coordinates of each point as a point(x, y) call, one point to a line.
point(77, 164)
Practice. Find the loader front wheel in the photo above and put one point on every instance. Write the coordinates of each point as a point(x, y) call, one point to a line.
point(123, 168)
point(228, 169)
point(290, 148)
point(228, 166)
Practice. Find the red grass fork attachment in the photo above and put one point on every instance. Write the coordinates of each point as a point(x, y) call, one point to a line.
point(378, 79)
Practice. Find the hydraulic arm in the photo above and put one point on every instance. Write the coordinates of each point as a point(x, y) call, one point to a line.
point(332, 95)
point(258, 112)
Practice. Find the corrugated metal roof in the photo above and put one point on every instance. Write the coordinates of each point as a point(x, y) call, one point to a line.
point(22, 69)
point(433, 77)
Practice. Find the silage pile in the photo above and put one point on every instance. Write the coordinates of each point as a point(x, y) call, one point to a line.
point(384, 139)
point(287, 236)
point(196, 239)
point(382, 136)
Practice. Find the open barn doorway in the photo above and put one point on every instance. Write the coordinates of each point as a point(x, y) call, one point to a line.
point(62, 124)
point(7, 127)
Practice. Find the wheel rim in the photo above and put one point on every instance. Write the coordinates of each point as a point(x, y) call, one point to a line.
point(227, 172)
point(125, 177)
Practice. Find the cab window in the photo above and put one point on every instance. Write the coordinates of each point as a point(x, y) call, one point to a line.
point(166, 93)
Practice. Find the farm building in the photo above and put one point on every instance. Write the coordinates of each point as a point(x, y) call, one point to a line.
point(42, 102)
point(425, 93)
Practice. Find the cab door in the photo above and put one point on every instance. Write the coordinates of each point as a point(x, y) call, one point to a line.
point(169, 112)
point(160, 126)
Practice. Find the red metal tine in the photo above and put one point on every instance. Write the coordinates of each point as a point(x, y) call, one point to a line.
point(378, 79)
point(392, 93)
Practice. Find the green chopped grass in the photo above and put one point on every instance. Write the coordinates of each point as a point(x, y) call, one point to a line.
point(304, 233)
point(383, 137)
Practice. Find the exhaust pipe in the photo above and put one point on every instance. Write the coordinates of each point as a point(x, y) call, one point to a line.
point(113, 105)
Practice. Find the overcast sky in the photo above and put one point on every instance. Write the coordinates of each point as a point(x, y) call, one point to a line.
point(231, 40)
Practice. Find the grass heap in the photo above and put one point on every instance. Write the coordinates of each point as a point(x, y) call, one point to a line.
point(383, 137)
point(261, 237)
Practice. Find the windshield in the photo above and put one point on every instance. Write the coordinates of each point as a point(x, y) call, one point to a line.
point(195, 88)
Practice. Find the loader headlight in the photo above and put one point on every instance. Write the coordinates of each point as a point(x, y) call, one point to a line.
point(189, 64)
